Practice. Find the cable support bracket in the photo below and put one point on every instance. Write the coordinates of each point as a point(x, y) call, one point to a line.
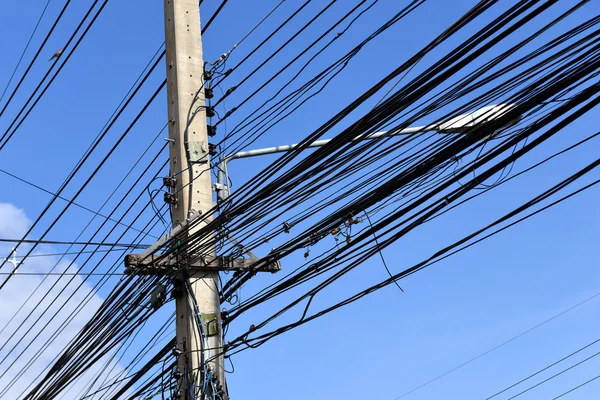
point(158, 264)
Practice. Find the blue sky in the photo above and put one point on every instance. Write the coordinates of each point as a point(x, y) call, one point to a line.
point(390, 342)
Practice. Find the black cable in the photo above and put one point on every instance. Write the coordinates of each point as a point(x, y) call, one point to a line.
point(272, 55)
point(273, 33)
point(424, 176)
point(65, 286)
point(588, 107)
point(37, 24)
point(145, 107)
point(576, 387)
point(553, 376)
point(7, 134)
point(212, 18)
point(127, 245)
point(498, 346)
point(381, 254)
point(56, 21)
point(74, 203)
point(258, 24)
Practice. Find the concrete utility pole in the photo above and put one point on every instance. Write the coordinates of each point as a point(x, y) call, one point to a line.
point(188, 148)
point(198, 313)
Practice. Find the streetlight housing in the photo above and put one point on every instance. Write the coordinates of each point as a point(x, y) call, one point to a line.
point(463, 123)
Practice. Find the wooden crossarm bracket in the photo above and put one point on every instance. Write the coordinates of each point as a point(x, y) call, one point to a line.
point(141, 264)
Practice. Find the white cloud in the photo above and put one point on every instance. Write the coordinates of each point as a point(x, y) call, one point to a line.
point(13, 221)
point(33, 295)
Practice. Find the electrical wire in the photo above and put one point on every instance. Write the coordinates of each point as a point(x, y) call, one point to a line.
point(37, 24)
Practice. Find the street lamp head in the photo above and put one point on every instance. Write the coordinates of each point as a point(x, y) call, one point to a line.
point(464, 122)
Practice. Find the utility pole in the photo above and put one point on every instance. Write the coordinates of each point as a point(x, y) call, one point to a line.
point(188, 150)
point(199, 333)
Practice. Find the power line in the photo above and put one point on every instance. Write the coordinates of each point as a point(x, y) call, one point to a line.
point(553, 376)
point(576, 387)
point(8, 134)
point(25, 273)
point(94, 172)
point(259, 24)
point(127, 245)
point(69, 253)
point(39, 50)
point(212, 18)
point(499, 346)
point(424, 176)
point(24, 51)
point(381, 254)
point(309, 163)
point(65, 199)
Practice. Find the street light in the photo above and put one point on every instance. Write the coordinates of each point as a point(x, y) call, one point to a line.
point(464, 122)
point(459, 124)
